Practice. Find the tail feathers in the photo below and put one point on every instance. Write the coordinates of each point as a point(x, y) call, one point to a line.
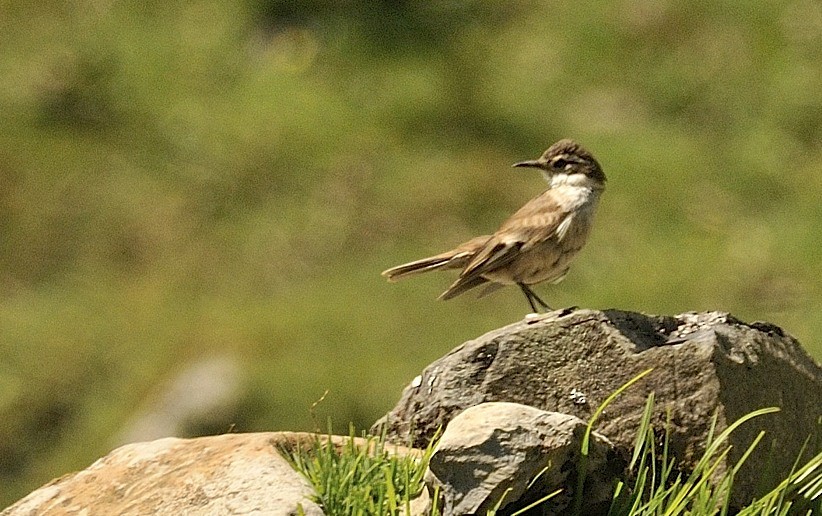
point(460, 286)
point(454, 259)
point(424, 265)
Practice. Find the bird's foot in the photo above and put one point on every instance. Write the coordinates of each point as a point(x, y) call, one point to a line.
point(567, 311)
point(553, 314)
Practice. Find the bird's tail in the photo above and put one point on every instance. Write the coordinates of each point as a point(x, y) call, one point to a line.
point(456, 258)
point(407, 269)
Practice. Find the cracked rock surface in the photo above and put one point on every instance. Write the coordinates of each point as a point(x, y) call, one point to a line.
point(507, 456)
point(223, 474)
point(703, 364)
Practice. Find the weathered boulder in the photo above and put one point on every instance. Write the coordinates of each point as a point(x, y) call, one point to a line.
point(705, 364)
point(225, 474)
point(215, 475)
point(509, 455)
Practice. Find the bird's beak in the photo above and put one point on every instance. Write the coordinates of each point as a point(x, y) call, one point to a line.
point(533, 163)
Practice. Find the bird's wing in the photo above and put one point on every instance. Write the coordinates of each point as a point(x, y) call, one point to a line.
point(541, 219)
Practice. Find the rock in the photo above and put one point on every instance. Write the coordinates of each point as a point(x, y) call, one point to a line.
point(704, 364)
point(225, 474)
point(490, 453)
point(419, 506)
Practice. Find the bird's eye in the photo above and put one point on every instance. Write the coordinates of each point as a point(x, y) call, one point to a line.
point(559, 163)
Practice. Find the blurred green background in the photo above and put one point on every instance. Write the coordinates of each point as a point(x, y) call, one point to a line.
point(197, 198)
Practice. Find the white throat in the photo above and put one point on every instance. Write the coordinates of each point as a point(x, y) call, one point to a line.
point(574, 181)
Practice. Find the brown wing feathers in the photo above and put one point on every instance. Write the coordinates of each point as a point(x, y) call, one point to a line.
point(494, 255)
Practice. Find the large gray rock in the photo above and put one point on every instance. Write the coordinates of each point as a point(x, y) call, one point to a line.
point(704, 364)
point(509, 455)
point(225, 474)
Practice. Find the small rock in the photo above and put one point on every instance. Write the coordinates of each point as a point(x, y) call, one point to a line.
point(492, 452)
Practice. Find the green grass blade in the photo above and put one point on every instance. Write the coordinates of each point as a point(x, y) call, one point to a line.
point(583, 457)
point(537, 503)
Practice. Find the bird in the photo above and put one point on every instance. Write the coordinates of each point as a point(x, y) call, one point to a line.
point(538, 242)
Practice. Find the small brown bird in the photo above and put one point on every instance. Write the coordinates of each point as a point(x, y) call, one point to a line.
point(535, 244)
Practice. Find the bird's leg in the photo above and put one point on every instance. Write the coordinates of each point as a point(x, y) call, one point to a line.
point(532, 297)
point(540, 302)
point(526, 291)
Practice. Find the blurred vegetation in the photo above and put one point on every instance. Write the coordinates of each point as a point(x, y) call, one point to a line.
point(185, 180)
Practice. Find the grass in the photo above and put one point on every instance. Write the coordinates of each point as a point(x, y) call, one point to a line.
point(361, 479)
point(370, 480)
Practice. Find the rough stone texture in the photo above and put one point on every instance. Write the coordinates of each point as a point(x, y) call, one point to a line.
point(419, 506)
point(704, 364)
point(225, 474)
point(496, 447)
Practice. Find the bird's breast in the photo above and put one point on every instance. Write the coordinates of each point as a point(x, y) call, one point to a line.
point(548, 258)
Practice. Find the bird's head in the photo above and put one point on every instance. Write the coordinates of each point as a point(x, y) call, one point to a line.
point(567, 163)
